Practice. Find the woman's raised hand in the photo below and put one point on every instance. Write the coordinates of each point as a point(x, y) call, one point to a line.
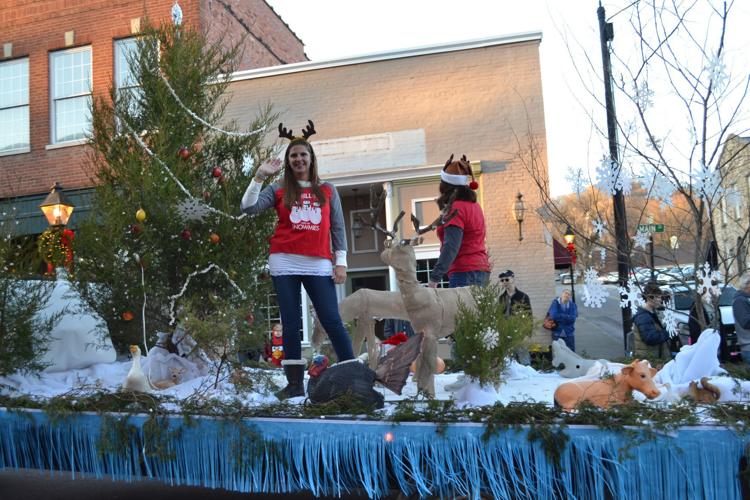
point(268, 168)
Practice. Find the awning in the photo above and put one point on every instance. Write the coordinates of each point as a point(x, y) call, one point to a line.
point(562, 256)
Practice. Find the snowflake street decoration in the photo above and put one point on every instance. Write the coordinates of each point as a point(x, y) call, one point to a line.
point(575, 178)
point(490, 338)
point(176, 14)
point(642, 239)
point(630, 296)
point(599, 226)
point(717, 72)
point(669, 320)
point(708, 280)
point(192, 210)
point(247, 163)
point(594, 293)
point(612, 177)
point(603, 254)
point(707, 182)
point(643, 96)
point(661, 188)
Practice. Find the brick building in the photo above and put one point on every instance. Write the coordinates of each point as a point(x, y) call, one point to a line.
point(393, 119)
point(56, 54)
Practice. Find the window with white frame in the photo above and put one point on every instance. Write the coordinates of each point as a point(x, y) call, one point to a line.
point(362, 236)
point(14, 106)
point(736, 202)
point(425, 209)
point(70, 73)
point(125, 81)
point(424, 266)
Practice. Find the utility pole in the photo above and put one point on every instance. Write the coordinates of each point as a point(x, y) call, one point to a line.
point(607, 34)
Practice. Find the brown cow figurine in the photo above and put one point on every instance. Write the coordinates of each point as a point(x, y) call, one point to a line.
point(613, 390)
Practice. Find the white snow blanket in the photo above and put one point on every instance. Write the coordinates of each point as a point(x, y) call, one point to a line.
point(79, 339)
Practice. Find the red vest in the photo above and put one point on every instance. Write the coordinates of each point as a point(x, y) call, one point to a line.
point(306, 228)
point(472, 255)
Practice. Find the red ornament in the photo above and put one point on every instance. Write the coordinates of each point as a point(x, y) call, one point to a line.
point(127, 316)
point(135, 229)
point(183, 153)
point(186, 234)
point(250, 319)
point(216, 172)
point(214, 238)
point(474, 185)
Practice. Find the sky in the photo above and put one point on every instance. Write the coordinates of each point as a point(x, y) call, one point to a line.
point(332, 29)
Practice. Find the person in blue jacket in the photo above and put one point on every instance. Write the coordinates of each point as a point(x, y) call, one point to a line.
point(564, 311)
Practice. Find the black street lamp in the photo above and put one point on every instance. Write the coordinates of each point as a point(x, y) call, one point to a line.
point(519, 210)
point(56, 207)
point(570, 237)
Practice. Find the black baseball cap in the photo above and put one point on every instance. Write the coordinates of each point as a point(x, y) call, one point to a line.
point(506, 274)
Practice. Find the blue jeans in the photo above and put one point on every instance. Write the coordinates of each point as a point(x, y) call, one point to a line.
point(322, 293)
point(467, 278)
point(745, 356)
point(569, 340)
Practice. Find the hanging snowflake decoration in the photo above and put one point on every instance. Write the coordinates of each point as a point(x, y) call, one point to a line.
point(630, 296)
point(707, 182)
point(575, 179)
point(717, 73)
point(642, 239)
point(599, 226)
point(708, 280)
point(490, 338)
point(594, 293)
point(176, 14)
point(612, 177)
point(603, 254)
point(192, 210)
point(643, 96)
point(660, 187)
point(669, 319)
point(247, 163)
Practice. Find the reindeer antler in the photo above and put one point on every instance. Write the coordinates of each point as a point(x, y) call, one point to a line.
point(450, 160)
point(376, 206)
point(445, 216)
point(283, 132)
point(309, 130)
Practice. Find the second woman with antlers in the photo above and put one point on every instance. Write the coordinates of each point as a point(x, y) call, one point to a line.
point(310, 222)
point(463, 255)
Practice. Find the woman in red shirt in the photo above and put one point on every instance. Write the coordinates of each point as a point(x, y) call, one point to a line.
point(310, 222)
point(463, 255)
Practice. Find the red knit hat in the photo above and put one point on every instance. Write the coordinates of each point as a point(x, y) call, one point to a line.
point(458, 173)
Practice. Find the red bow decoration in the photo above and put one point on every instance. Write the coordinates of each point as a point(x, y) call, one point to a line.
point(67, 241)
point(396, 339)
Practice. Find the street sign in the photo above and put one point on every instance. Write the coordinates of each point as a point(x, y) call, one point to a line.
point(651, 228)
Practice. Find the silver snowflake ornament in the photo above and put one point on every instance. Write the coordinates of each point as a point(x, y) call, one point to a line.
point(708, 280)
point(490, 338)
point(192, 210)
point(669, 319)
point(612, 177)
point(643, 95)
point(603, 254)
point(599, 226)
point(176, 14)
point(642, 239)
point(717, 73)
point(707, 182)
point(660, 187)
point(630, 296)
point(576, 179)
point(594, 293)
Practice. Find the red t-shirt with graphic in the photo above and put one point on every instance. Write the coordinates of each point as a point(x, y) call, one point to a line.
point(472, 255)
point(306, 228)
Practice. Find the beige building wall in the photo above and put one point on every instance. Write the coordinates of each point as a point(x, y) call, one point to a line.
point(471, 98)
point(732, 217)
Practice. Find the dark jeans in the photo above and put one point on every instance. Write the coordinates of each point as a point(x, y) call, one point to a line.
point(467, 278)
point(570, 340)
point(322, 293)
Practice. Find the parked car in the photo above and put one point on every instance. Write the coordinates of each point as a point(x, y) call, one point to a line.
point(565, 279)
point(683, 302)
point(611, 278)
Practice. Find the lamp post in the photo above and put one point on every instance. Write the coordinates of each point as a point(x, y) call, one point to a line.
point(570, 237)
point(56, 207)
point(519, 210)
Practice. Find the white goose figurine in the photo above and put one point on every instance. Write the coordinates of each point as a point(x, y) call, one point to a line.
point(136, 380)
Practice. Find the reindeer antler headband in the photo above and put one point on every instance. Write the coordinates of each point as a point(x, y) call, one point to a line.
point(458, 173)
point(306, 132)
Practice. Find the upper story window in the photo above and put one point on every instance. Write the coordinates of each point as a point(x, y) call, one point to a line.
point(125, 81)
point(70, 72)
point(14, 106)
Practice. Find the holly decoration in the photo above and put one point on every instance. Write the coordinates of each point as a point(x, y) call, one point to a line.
point(183, 153)
point(55, 246)
point(140, 215)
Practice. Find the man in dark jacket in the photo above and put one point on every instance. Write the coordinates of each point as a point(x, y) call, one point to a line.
point(741, 310)
point(513, 299)
point(651, 338)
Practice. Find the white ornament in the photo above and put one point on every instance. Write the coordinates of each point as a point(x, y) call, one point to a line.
point(630, 296)
point(599, 226)
point(176, 14)
point(192, 210)
point(603, 254)
point(576, 179)
point(594, 293)
point(490, 338)
point(643, 96)
point(660, 187)
point(669, 320)
point(707, 182)
point(717, 73)
point(612, 177)
point(642, 239)
point(247, 163)
point(709, 280)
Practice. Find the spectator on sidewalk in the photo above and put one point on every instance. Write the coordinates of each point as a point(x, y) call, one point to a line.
point(565, 312)
point(650, 336)
point(514, 300)
point(741, 310)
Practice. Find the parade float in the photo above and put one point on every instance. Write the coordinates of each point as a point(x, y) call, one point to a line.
point(167, 273)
